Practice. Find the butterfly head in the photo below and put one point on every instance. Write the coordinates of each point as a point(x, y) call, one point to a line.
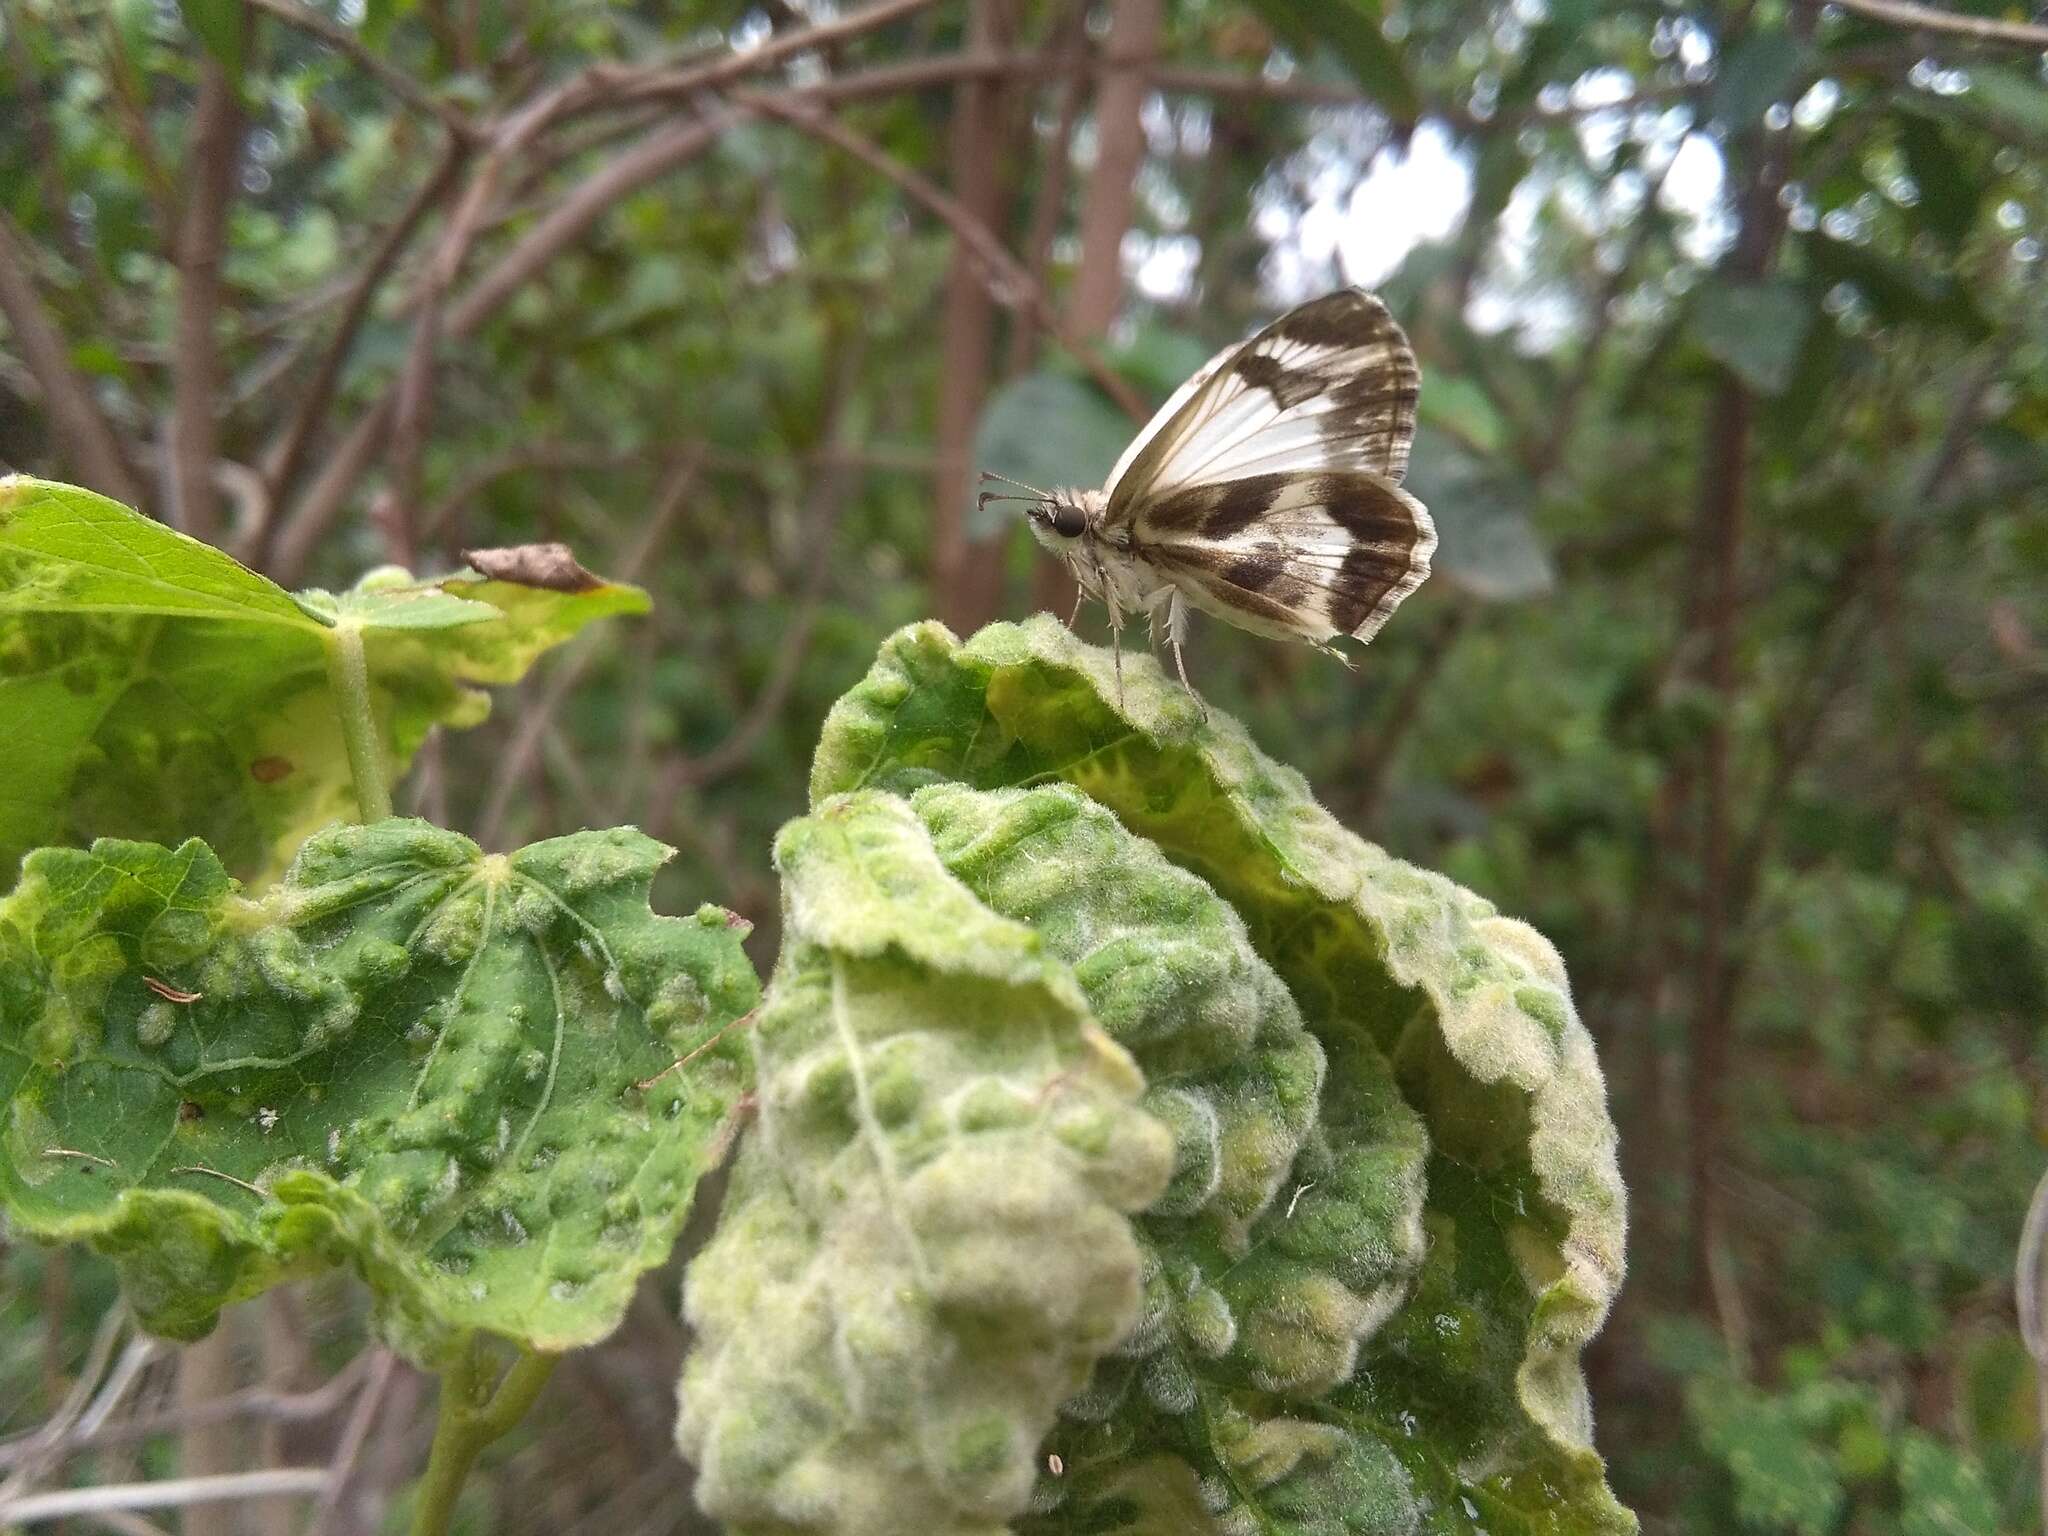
point(1060, 520)
point(1064, 518)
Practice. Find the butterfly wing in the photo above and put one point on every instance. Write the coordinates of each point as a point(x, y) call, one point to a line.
point(1268, 488)
point(1293, 554)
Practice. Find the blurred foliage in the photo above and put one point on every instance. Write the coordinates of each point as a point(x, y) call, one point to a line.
point(1537, 723)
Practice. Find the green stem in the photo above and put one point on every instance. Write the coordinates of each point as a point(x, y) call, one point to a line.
point(465, 1423)
point(348, 673)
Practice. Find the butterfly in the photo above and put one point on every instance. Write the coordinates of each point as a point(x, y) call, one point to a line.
point(1266, 491)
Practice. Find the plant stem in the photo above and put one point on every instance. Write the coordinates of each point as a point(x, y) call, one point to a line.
point(464, 1425)
point(348, 673)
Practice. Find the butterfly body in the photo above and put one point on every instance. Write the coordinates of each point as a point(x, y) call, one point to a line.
point(1266, 491)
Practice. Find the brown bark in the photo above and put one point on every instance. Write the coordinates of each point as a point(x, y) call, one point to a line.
point(288, 1369)
point(206, 1373)
point(964, 579)
point(85, 438)
point(1108, 204)
point(1717, 535)
point(1111, 198)
point(1724, 506)
point(210, 167)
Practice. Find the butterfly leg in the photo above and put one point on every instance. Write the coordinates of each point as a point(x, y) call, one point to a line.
point(1348, 664)
point(1116, 625)
point(1176, 633)
point(1080, 597)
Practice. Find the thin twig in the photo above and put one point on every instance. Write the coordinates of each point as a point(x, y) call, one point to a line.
point(830, 491)
point(264, 1403)
point(394, 79)
point(85, 437)
point(131, 107)
point(651, 157)
point(689, 80)
point(169, 1494)
point(1009, 281)
point(1928, 18)
point(46, 1443)
point(525, 745)
point(284, 462)
point(349, 1448)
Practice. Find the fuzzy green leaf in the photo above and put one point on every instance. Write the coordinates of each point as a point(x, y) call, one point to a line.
point(406, 1056)
point(1293, 1224)
point(151, 687)
point(1469, 1395)
point(925, 1247)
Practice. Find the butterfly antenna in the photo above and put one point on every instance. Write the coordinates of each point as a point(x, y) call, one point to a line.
point(989, 474)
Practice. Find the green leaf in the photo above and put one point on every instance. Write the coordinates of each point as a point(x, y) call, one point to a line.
point(1777, 1449)
point(151, 687)
point(1461, 407)
point(1045, 429)
point(1950, 190)
point(406, 1056)
point(218, 24)
point(1351, 30)
point(1762, 70)
point(1943, 1491)
point(1466, 1392)
point(2012, 101)
point(1488, 545)
point(925, 1245)
point(1757, 330)
point(1898, 292)
point(68, 550)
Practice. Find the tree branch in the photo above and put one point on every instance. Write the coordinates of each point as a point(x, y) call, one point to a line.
point(210, 166)
point(977, 161)
point(85, 439)
point(1112, 193)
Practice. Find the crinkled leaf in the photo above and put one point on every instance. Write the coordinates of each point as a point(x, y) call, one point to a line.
point(1046, 429)
point(406, 1056)
point(151, 687)
point(1469, 1395)
point(925, 1246)
point(1293, 1223)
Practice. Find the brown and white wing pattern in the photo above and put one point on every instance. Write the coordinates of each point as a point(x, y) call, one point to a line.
point(1292, 554)
point(1331, 385)
point(1268, 490)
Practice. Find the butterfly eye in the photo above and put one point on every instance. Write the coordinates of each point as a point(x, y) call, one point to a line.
point(1068, 520)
